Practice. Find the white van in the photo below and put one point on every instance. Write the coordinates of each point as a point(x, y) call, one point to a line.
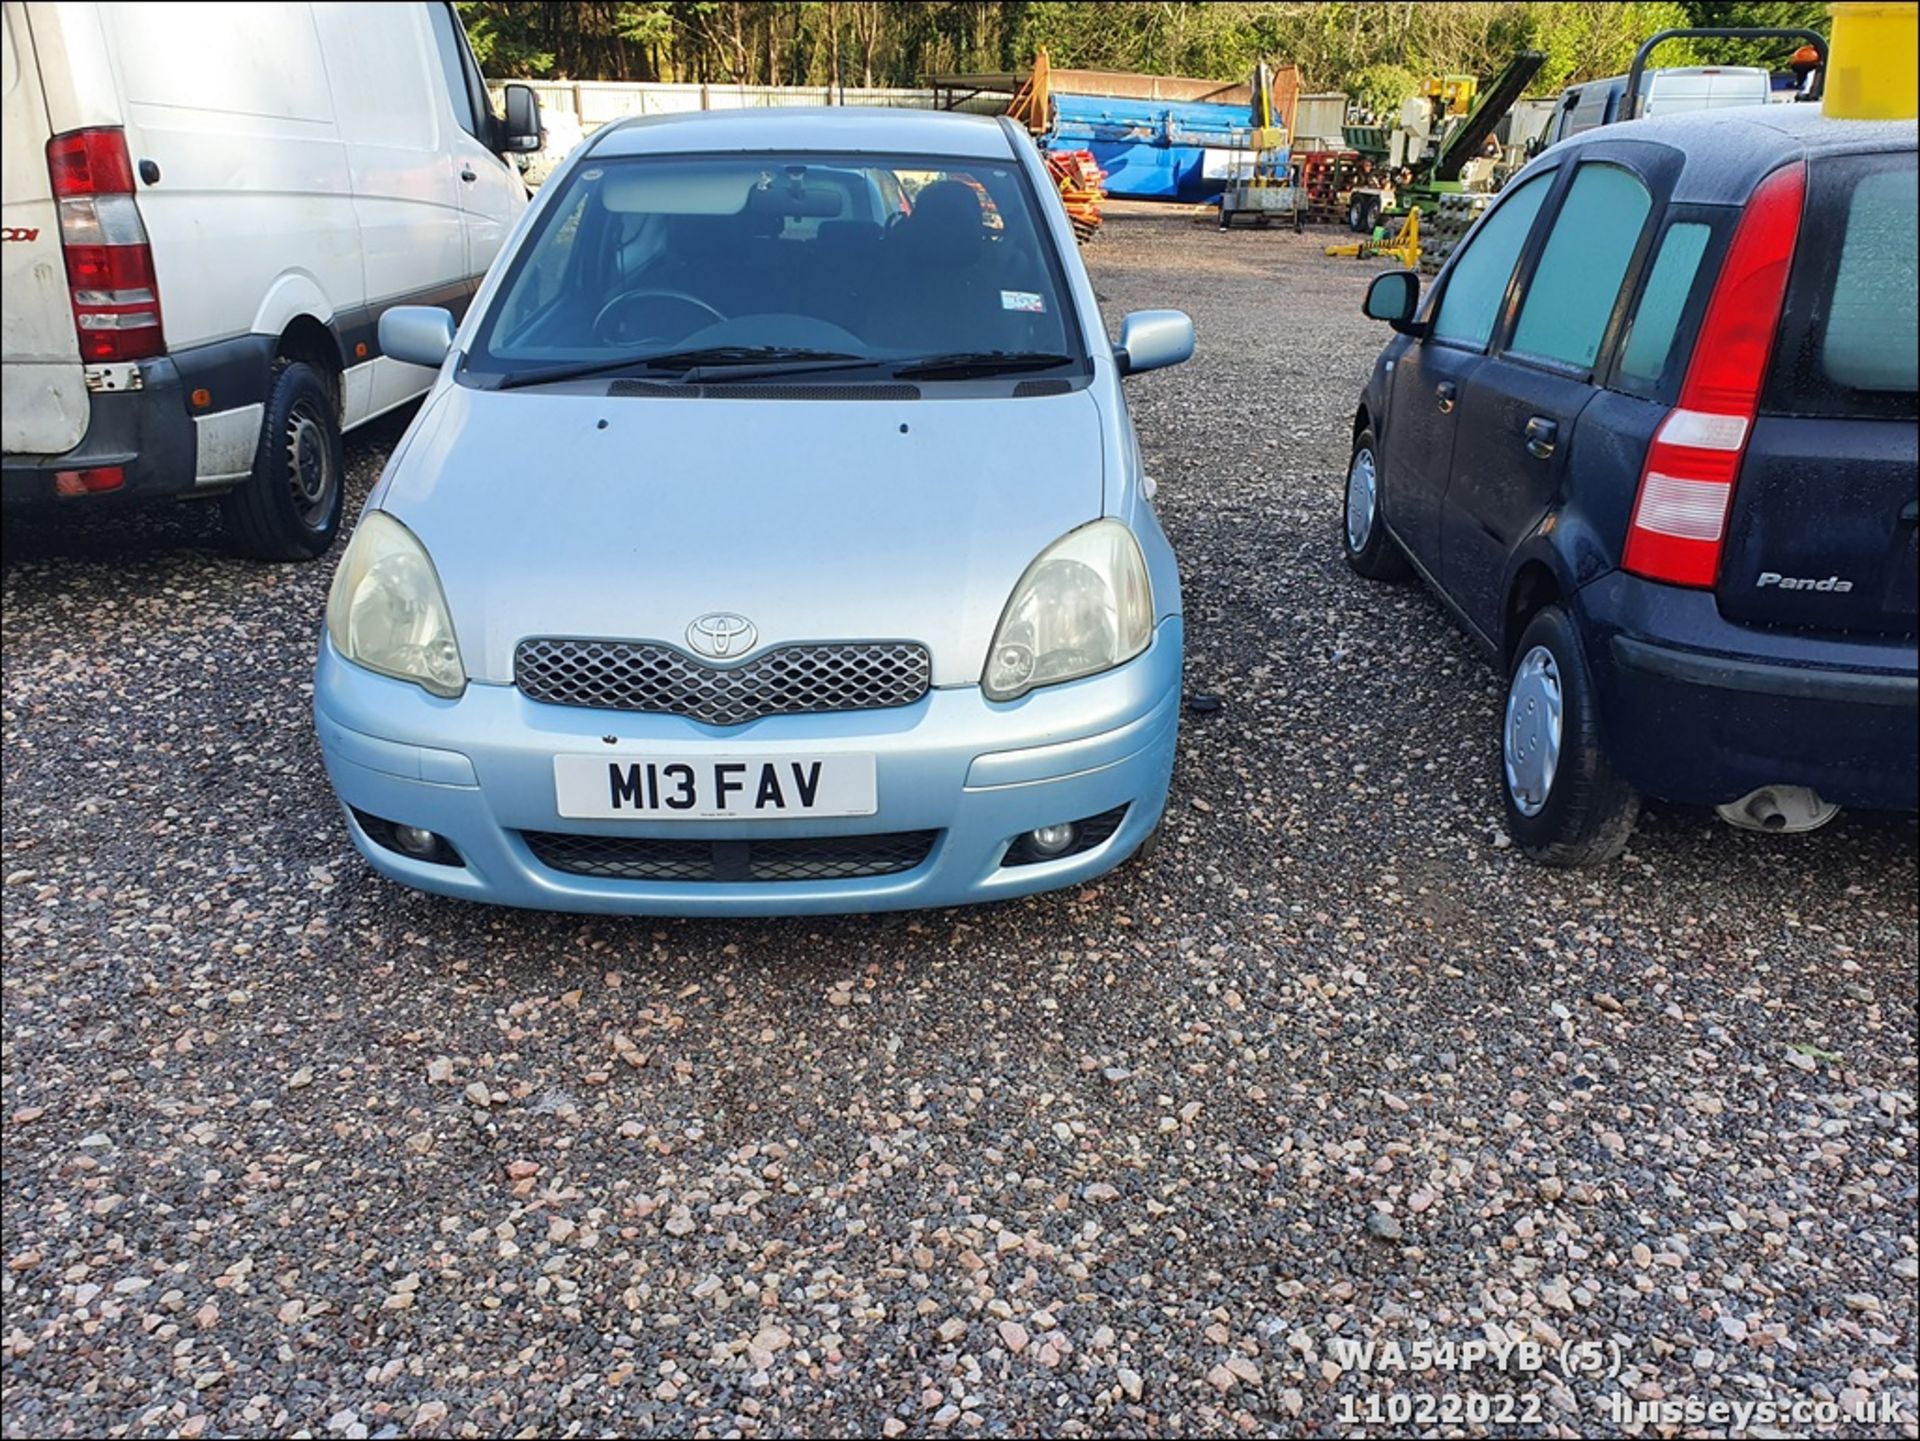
point(1667, 92)
point(207, 207)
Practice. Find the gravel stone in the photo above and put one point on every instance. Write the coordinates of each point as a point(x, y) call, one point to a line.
point(860, 1133)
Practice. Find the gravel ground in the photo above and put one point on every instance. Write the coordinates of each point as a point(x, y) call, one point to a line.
point(291, 1150)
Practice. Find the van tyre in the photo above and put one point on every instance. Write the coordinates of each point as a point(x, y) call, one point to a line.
point(289, 508)
point(1565, 804)
point(1363, 535)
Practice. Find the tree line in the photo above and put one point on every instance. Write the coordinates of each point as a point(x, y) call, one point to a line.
point(1375, 50)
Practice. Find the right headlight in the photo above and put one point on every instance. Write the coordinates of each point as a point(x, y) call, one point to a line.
point(386, 610)
point(1083, 607)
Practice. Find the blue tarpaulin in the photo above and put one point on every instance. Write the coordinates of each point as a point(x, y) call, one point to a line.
point(1153, 149)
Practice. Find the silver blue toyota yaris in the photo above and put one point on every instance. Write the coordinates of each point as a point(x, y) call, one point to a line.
point(774, 540)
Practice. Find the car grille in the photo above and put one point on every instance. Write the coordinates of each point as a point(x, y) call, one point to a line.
point(798, 858)
point(657, 679)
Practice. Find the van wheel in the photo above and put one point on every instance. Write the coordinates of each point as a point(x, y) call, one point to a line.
point(1565, 805)
point(1370, 550)
point(289, 508)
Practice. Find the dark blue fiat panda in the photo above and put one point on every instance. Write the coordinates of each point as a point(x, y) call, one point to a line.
point(1652, 439)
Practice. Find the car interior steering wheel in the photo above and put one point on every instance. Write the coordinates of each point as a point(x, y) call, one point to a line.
point(616, 322)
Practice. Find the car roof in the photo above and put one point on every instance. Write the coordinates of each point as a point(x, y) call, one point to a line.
point(850, 128)
point(1729, 151)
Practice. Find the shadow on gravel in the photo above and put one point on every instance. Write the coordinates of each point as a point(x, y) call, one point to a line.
point(189, 528)
point(790, 946)
point(129, 533)
point(1664, 825)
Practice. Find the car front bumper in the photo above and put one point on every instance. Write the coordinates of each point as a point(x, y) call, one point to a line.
point(478, 771)
point(1702, 711)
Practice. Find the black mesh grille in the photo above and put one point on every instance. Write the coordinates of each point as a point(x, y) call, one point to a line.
point(659, 680)
point(1027, 388)
point(799, 858)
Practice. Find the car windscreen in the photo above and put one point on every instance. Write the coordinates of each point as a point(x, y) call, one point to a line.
point(867, 258)
point(1851, 325)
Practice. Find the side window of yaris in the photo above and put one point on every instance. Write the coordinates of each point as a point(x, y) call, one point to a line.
point(1478, 280)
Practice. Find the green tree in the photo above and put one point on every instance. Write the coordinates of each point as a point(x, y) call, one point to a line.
point(1775, 14)
point(1382, 89)
point(1349, 45)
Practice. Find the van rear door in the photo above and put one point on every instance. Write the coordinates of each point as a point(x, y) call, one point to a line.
point(1822, 534)
point(45, 388)
point(1704, 87)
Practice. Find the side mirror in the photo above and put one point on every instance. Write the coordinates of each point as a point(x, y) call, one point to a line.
point(1393, 297)
point(520, 130)
point(417, 334)
point(1152, 340)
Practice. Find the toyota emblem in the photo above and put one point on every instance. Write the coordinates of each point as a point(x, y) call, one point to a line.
point(721, 635)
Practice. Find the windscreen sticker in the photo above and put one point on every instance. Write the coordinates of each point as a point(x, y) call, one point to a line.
point(1023, 300)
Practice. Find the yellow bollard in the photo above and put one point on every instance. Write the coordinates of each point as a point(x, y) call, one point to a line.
point(1873, 64)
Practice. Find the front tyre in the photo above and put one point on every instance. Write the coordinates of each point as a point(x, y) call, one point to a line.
point(1370, 550)
point(289, 507)
point(1565, 805)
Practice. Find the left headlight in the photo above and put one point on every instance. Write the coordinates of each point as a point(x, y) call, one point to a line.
point(386, 610)
point(1083, 607)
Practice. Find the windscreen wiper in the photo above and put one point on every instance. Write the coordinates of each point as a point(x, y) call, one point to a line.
point(966, 364)
point(684, 362)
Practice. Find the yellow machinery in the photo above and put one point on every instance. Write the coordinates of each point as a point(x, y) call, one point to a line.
point(1262, 183)
point(1261, 180)
point(1872, 70)
point(1454, 92)
point(1403, 245)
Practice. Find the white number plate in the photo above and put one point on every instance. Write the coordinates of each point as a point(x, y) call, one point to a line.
point(710, 787)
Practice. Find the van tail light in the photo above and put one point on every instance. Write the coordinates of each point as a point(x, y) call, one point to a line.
point(116, 303)
point(1686, 488)
point(89, 482)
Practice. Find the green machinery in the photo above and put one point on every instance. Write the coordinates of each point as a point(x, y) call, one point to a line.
point(1431, 149)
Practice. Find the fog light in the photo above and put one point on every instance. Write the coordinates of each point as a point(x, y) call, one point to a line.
point(415, 841)
point(1067, 838)
point(1052, 840)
